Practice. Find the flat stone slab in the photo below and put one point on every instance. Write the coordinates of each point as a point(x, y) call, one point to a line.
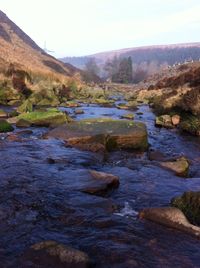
point(109, 133)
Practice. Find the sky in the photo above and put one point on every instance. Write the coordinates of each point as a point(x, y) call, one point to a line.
point(84, 27)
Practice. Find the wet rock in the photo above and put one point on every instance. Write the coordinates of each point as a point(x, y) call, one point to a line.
point(189, 204)
point(79, 111)
point(164, 121)
point(53, 254)
point(180, 166)
point(156, 156)
point(112, 134)
point(70, 104)
point(51, 117)
point(14, 138)
point(131, 105)
point(176, 119)
point(101, 183)
point(3, 114)
point(5, 126)
point(170, 217)
point(128, 116)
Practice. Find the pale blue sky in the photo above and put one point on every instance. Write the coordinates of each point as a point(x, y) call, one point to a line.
point(82, 27)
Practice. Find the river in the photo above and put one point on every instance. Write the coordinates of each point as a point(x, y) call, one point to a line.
point(41, 201)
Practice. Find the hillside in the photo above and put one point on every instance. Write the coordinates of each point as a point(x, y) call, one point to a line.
point(19, 49)
point(149, 59)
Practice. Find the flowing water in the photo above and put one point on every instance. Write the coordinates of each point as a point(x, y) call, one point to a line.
point(40, 198)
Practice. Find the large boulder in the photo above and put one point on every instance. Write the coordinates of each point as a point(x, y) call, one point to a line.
point(46, 118)
point(189, 204)
point(179, 166)
point(109, 133)
point(53, 254)
point(170, 217)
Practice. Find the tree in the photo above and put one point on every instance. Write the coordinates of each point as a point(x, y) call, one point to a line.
point(91, 71)
point(119, 70)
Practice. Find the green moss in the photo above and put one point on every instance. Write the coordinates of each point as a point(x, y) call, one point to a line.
point(189, 204)
point(5, 126)
point(27, 106)
point(43, 118)
point(190, 123)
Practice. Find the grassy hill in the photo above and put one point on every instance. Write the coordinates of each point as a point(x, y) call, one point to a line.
point(18, 49)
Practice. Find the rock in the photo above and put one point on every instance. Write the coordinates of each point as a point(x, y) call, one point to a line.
point(170, 217)
point(112, 134)
point(79, 111)
point(123, 106)
point(102, 101)
point(164, 121)
point(176, 119)
point(180, 166)
point(102, 183)
point(13, 137)
point(189, 204)
point(5, 126)
point(131, 105)
point(70, 104)
point(51, 117)
point(52, 254)
point(128, 116)
point(156, 156)
point(3, 114)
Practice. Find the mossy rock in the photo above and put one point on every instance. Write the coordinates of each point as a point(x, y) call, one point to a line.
point(46, 118)
point(164, 121)
point(48, 102)
point(189, 204)
point(70, 104)
point(3, 113)
point(5, 126)
point(102, 101)
point(112, 134)
point(128, 116)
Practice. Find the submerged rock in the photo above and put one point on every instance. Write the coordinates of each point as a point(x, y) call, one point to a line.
point(170, 217)
point(101, 183)
point(53, 254)
point(5, 126)
point(189, 204)
point(109, 133)
point(46, 118)
point(79, 111)
point(180, 166)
